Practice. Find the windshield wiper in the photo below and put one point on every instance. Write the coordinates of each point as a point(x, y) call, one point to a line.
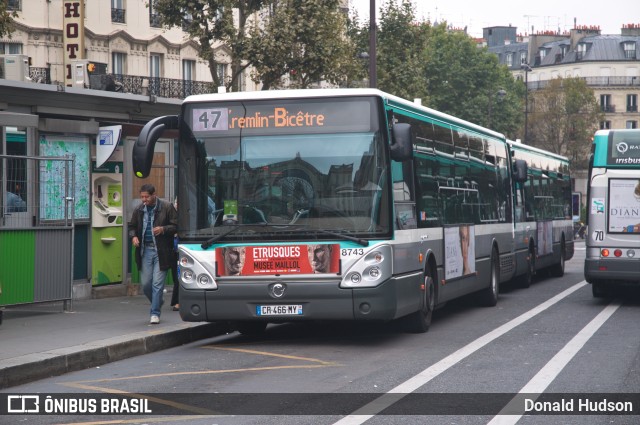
point(207, 244)
point(359, 241)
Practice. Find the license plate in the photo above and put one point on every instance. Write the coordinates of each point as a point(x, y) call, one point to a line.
point(279, 310)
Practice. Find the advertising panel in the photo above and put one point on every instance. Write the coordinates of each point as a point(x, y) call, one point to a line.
point(624, 206)
point(460, 251)
point(278, 259)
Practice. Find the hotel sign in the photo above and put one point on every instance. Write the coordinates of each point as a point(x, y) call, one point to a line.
point(73, 35)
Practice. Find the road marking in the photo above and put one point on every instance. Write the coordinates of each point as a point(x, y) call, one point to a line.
point(552, 369)
point(412, 384)
point(268, 353)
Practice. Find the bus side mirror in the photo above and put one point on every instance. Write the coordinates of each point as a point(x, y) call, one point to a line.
point(142, 154)
point(520, 170)
point(402, 146)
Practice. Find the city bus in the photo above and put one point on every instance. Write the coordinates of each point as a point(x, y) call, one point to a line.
point(543, 216)
point(613, 211)
point(336, 204)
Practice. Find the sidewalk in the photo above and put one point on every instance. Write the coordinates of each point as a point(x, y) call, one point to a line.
point(42, 340)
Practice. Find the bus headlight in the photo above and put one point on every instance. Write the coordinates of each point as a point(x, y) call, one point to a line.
point(196, 269)
point(370, 270)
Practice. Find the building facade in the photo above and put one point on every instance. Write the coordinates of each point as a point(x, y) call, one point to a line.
point(124, 35)
point(608, 63)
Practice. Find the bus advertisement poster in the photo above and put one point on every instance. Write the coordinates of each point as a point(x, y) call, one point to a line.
point(460, 251)
point(279, 259)
point(545, 237)
point(624, 206)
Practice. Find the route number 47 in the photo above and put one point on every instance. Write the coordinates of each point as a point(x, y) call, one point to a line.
point(598, 235)
point(210, 119)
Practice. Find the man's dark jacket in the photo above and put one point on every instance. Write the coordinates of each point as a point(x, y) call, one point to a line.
point(167, 217)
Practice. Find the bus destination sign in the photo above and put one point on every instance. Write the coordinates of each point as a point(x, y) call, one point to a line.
point(286, 118)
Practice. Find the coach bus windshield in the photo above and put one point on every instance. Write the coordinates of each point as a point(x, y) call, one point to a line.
point(271, 171)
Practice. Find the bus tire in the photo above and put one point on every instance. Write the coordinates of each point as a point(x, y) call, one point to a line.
point(557, 270)
point(251, 328)
point(489, 295)
point(598, 290)
point(419, 321)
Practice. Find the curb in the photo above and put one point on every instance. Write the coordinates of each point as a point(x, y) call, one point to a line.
point(25, 369)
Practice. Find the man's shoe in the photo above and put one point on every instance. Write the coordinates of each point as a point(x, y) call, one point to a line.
point(176, 307)
point(154, 320)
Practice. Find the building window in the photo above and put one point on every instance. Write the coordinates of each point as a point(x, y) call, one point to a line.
point(605, 103)
point(632, 103)
point(509, 60)
point(222, 72)
point(155, 62)
point(543, 53)
point(188, 72)
point(117, 11)
point(632, 124)
point(154, 17)
point(10, 49)
point(118, 63)
point(629, 49)
point(14, 5)
point(605, 125)
point(523, 58)
point(581, 50)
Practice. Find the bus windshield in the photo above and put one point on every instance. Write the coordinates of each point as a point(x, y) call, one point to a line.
point(273, 182)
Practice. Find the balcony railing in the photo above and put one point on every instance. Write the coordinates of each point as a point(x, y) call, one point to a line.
point(608, 108)
point(135, 84)
point(632, 108)
point(593, 81)
point(40, 75)
point(118, 16)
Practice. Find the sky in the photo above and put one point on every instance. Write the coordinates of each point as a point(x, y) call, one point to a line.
point(542, 15)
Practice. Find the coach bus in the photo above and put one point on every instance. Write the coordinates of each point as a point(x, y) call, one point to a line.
point(613, 211)
point(336, 204)
point(543, 221)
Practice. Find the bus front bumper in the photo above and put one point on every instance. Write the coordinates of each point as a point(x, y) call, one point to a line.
point(319, 301)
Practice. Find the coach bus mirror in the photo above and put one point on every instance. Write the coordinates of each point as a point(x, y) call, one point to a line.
point(402, 146)
point(142, 154)
point(520, 170)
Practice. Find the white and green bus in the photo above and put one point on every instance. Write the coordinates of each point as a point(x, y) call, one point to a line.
point(338, 205)
point(613, 211)
point(544, 237)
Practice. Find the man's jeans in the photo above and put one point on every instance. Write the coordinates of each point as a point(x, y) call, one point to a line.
point(152, 279)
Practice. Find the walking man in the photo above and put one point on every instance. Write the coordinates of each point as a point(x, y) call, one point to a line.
point(152, 227)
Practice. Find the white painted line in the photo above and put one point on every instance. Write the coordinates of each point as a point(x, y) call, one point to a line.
point(552, 369)
point(412, 384)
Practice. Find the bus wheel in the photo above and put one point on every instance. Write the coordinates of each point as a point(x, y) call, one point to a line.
point(598, 290)
point(557, 270)
point(489, 296)
point(418, 322)
point(251, 328)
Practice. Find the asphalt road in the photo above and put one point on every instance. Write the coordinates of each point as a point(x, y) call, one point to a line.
point(552, 338)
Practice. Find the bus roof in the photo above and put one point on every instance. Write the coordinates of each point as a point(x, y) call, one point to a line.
point(520, 145)
point(323, 93)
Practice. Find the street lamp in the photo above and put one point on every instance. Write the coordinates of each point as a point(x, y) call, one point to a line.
point(373, 79)
point(527, 69)
point(500, 94)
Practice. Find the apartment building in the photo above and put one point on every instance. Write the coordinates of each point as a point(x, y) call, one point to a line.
point(123, 34)
point(609, 63)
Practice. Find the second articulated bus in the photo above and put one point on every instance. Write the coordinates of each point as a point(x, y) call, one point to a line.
point(613, 211)
point(350, 205)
